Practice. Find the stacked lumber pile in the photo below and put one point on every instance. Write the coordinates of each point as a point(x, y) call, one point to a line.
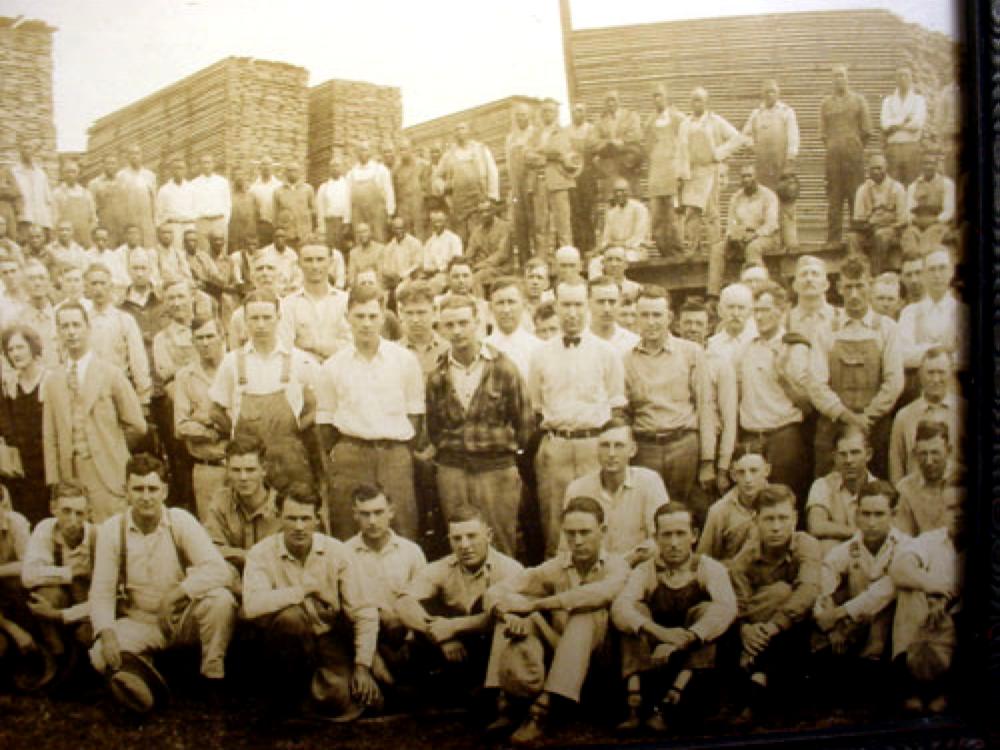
point(341, 113)
point(237, 110)
point(26, 89)
point(730, 57)
point(488, 123)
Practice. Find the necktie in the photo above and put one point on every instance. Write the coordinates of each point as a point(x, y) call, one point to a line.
point(72, 379)
point(571, 341)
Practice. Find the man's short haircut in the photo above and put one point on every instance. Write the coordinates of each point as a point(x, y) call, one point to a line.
point(602, 281)
point(414, 292)
point(69, 307)
point(879, 487)
point(911, 256)
point(928, 429)
point(855, 267)
point(365, 492)
point(457, 302)
point(459, 260)
point(584, 504)
point(653, 291)
point(69, 488)
point(676, 506)
point(809, 261)
point(244, 445)
point(888, 278)
point(616, 423)
point(693, 306)
point(751, 447)
point(300, 492)
point(360, 295)
point(29, 334)
point(773, 495)
point(260, 295)
point(506, 282)
point(933, 353)
point(465, 513)
point(543, 312)
point(845, 431)
point(775, 290)
point(574, 284)
point(142, 464)
point(568, 250)
point(199, 321)
point(752, 264)
point(535, 263)
point(736, 290)
point(97, 267)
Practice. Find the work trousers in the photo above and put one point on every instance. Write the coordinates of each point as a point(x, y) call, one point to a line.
point(205, 480)
point(553, 227)
point(387, 462)
point(663, 225)
point(903, 161)
point(637, 650)
point(676, 462)
point(845, 171)
point(55, 633)
point(786, 453)
point(788, 650)
point(208, 620)
point(880, 244)
point(496, 493)
point(582, 208)
point(559, 461)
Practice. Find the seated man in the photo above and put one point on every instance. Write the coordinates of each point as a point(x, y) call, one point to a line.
point(930, 203)
point(776, 578)
point(304, 592)
point(833, 498)
point(561, 607)
point(626, 223)
point(879, 217)
point(730, 520)
point(244, 510)
point(928, 576)
point(386, 562)
point(443, 605)
point(158, 582)
point(629, 495)
point(489, 249)
point(15, 617)
point(57, 568)
point(672, 609)
point(854, 610)
point(752, 227)
point(613, 264)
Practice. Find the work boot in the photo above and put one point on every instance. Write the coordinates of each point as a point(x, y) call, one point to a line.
point(632, 722)
point(656, 721)
point(503, 722)
point(530, 733)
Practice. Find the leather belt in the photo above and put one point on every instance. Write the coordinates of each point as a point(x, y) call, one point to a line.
point(664, 437)
point(213, 462)
point(374, 443)
point(575, 434)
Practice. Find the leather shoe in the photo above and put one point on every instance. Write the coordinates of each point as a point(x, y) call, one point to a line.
point(656, 722)
point(528, 734)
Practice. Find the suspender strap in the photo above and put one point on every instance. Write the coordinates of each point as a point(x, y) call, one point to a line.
point(286, 368)
point(182, 557)
point(241, 368)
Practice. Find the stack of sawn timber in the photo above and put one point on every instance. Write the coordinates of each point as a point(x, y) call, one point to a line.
point(489, 123)
point(730, 57)
point(342, 113)
point(238, 110)
point(26, 89)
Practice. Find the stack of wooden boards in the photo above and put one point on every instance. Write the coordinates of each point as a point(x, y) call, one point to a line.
point(730, 57)
point(238, 110)
point(489, 123)
point(26, 89)
point(342, 113)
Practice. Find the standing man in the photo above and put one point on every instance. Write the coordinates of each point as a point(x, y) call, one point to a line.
point(844, 126)
point(370, 187)
point(36, 206)
point(773, 132)
point(710, 141)
point(371, 411)
point(245, 214)
point(333, 205)
point(812, 316)
point(939, 318)
point(522, 178)
point(469, 175)
point(175, 589)
point(313, 318)
point(880, 214)
point(581, 135)
point(212, 201)
point(666, 152)
point(410, 177)
point(415, 302)
point(107, 199)
point(136, 194)
point(479, 418)
point(11, 203)
point(736, 325)
point(576, 382)
point(175, 203)
point(510, 335)
point(753, 226)
point(930, 205)
point(549, 154)
point(295, 206)
point(618, 145)
point(904, 114)
point(670, 400)
point(72, 202)
point(263, 189)
point(90, 413)
point(605, 299)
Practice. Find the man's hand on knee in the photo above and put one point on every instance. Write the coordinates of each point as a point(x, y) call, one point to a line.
point(110, 649)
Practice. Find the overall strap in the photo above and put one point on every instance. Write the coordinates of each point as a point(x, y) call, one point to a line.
point(286, 368)
point(182, 558)
point(123, 563)
point(241, 368)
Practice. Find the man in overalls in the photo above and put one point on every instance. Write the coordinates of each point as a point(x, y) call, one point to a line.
point(410, 176)
point(265, 388)
point(618, 145)
point(672, 609)
point(549, 155)
point(522, 178)
point(372, 198)
point(582, 198)
point(859, 374)
point(666, 152)
point(469, 175)
point(879, 216)
point(930, 203)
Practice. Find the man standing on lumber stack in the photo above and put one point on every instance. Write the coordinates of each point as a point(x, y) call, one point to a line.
point(372, 198)
point(521, 178)
point(333, 205)
point(263, 190)
point(35, 208)
point(549, 155)
point(410, 177)
point(469, 175)
point(213, 203)
point(618, 145)
point(844, 127)
point(904, 113)
point(105, 190)
point(667, 155)
point(136, 193)
point(175, 204)
point(294, 206)
point(581, 137)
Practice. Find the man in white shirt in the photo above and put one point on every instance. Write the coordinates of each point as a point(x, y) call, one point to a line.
point(939, 319)
point(441, 246)
point(313, 318)
point(752, 229)
point(371, 194)
point(333, 205)
point(211, 201)
point(509, 334)
point(36, 196)
point(904, 113)
point(262, 190)
point(626, 222)
point(737, 328)
point(605, 297)
point(930, 205)
point(175, 203)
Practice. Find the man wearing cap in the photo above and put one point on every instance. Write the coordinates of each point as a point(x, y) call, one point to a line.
point(666, 151)
point(618, 145)
point(370, 188)
point(930, 203)
point(904, 114)
point(468, 174)
point(581, 135)
point(844, 126)
point(522, 177)
point(158, 582)
point(304, 591)
point(549, 154)
point(489, 248)
point(626, 222)
point(752, 228)
point(879, 216)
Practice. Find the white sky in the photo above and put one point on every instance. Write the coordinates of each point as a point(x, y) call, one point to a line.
point(445, 55)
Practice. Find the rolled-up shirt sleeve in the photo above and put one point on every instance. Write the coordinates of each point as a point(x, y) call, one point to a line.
point(597, 594)
point(625, 611)
point(361, 611)
point(208, 570)
point(104, 580)
point(720, 612)
point(260, 596)
point(38, 567)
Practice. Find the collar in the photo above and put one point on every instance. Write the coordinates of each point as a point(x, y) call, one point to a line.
point(566, 561)
point(825, 311)
point(142, 300)
point(949, 402)
point(379, 351)
point(358, 544)
point(627, 483)
point(82, 363)
point(661, 566)
point(950, 469)
point(487, 566)
point(667, 346)
point(163, 523)
point(267, 507)
point(316, 548)
point(88, 529)
point(279, 348)
point(486, 353)
point(868, 320)
point(892, 539)
point(836, 476)
point(435, 342)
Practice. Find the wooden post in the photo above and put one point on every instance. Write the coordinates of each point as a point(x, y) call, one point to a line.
point(566, 23)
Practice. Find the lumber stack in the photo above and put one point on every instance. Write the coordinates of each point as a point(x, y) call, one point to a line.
point(26, 89)
point(341, 113)
point(237, 110)
point(730, 57)
point(488, 123)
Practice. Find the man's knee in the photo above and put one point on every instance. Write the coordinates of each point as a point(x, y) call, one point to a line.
point(217, 605)
point(57, 596)
point(290, 621)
